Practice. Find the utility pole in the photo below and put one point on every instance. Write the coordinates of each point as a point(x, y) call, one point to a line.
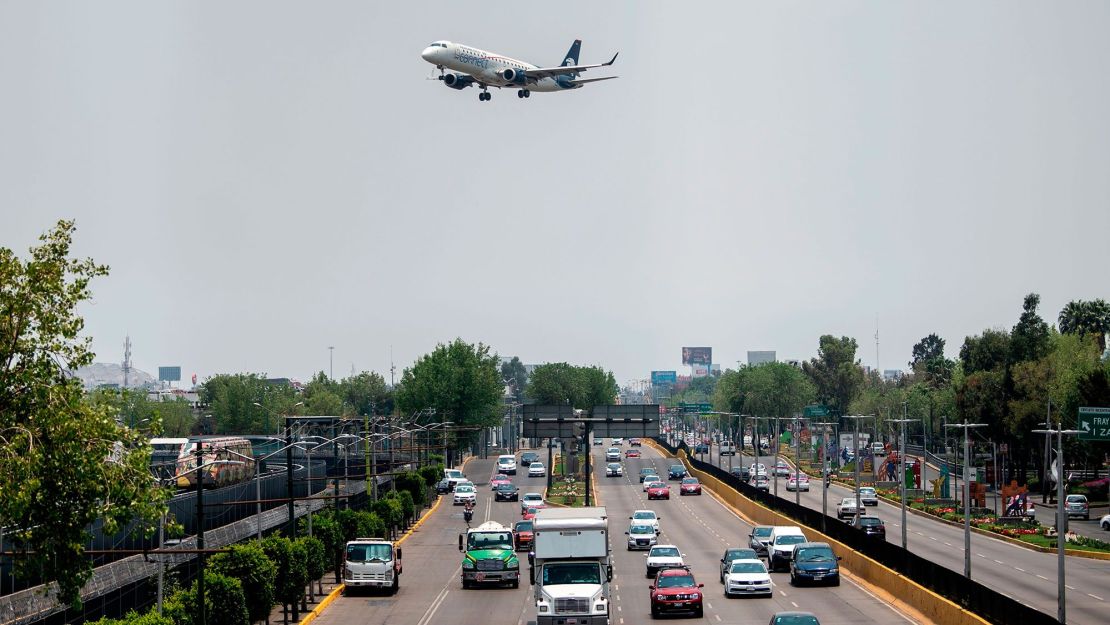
point(200, 531)
point(967, 494)
point(858, 459)
point(825, 425)
point(1061, 519)
point(292, 529)
point(331, 362)
point(902, 471)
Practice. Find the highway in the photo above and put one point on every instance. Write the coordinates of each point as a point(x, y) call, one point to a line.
point(1027, 575)
point(431, 592)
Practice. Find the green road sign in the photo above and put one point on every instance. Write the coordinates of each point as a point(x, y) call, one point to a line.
point(816, 410)
point(1094, 424)
point(689, 408)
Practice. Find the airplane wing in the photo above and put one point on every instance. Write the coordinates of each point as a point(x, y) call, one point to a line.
point(548, 72)
point(584, 81)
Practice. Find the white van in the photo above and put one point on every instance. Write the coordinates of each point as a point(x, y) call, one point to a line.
point(506, 464)
point(878, 449)
point(728, 448)
point(780, 545)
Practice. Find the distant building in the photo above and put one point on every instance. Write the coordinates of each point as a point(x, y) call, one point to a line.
point(891, 375)
point(794, 362)
point(759, 358)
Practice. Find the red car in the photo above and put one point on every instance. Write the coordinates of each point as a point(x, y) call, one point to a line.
point(632, 453)
point(659, 490)
point(522, 535)
point(529, 514)
point(690, 486)
point(500, 478)
point(675, 590)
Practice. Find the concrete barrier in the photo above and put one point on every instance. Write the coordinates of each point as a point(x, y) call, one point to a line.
point(927, 603)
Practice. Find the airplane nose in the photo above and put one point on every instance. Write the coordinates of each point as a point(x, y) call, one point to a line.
point(428, 54)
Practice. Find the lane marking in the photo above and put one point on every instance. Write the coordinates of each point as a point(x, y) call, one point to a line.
point(1042, 577)
point(1018, 568)
point(793, 604)
point(1095, 597)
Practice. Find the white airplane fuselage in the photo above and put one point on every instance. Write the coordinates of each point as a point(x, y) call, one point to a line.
point(488, 68)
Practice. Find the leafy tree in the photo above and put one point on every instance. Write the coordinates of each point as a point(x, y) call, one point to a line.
point(369, 525)
point(388, 509)
point(317, 558)
point(247, 562)
point(1029, 338)
point(555, 383)
point(64, 462)
point(408, 506)
point(599, 387)
point(777, 389)
point(292, 566)
point(835, 372)
point(224, 601)
point(985, 352)
point(366, 394)
point(414, 484)
point(326, 529)
point(927, 349)
point(431, 474)
point(135, 618)
point(321, 396)
point(459, 380)
point(1083, 318)
point(245, 403)
point(514, 373)
point(731, 390)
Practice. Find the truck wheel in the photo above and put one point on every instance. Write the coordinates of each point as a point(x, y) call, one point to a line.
point(396, 586)
point(516, 583)
point(466, 585)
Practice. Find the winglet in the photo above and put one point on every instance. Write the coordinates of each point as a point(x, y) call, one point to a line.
point(612, 60)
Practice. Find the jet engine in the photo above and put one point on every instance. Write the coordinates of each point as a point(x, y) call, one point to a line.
point(514, 76)
point(457, 81)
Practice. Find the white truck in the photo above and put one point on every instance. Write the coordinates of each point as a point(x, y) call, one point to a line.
point(372, 563)
point(571, 566)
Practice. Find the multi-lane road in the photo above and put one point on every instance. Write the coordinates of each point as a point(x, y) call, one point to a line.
point(1026, 575)
point(431, 592)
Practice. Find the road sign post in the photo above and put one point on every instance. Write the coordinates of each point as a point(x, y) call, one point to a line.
point(1094, 423)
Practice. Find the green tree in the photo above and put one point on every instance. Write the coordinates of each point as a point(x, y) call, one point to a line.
point(135, 618)
point(366, 394)
point(1029, 338)
point(731, 390)
point(516, 376)
point(246, 403)
point(985, 352)
point(317, 558)
point(599, 387)
point(414, 484)
point(224, 601)
point(777, 389)
point(555, 383)
point(835, 372)
point(326, 529)
point(460, 381)
point(1084, 318)
point(257, 574)
point(292, 566)
point(64, 462)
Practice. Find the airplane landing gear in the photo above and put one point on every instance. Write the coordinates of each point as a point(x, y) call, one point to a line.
point(523, 93)
point(484, 96)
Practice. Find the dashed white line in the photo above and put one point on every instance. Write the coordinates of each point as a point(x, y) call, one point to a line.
point(1095, 597)
point(718, 617)
point(1042, 577)
point(1069, 587)
point(793, 604)
point(709, 605)
point(1018, 568)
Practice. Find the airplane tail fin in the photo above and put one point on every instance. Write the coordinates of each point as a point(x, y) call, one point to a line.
point(571, 57)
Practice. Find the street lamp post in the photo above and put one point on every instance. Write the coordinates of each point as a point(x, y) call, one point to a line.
point(902, 472)
point(858, 458)
point(967, 493)
point(825, 425)
point(1061, 519)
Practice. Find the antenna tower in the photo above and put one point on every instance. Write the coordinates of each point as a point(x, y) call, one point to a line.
point(877, 347)
point(126, 361)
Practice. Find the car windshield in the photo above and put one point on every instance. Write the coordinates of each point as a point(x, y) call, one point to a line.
point(794, 619)
point(536, 465)
point(646, 471)
point(867, 491)
point(464, 489)
point(816, 554)
point(1077, 498)
point(571, 573)
point(641, 529)
point(870, 521)
point(657, 485)
point(748, 567)
point(506, 460)
point(848, 502)
point(506, 486)
point(690, 480)
point(523, 526)
point(790, 539)
point(761, 532)
point(369, 553)
point(644, 515)
point(676, 581)
point(489, 540)
point(740, 554)
point(664, 552)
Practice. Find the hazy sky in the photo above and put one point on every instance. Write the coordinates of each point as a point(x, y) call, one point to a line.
point(267, 179)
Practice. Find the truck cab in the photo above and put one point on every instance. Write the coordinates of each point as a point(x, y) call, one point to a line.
point(571, 566)
point(489, 556)
point(372, 563)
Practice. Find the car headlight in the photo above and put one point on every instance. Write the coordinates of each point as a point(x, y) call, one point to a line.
point(467, 564)
point(695, 595)
point(659, 597)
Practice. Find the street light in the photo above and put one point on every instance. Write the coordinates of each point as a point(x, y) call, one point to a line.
point(858, 458)
point(902, 472)
point(775, 445)
point(1061, 518)
point(967, 494)
point(825, 468)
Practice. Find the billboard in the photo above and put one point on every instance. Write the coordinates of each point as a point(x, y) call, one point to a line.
point(697, 356)
point(169, 374)
point(664, 377)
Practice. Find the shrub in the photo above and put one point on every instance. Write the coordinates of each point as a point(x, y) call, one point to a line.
point(292, 566)
point(388, 509)
point(257, 573)
point(415, 486)
point(224, 603)
point(134, 618)
point(432, 474)
point(370, 525)
point(436, 459)
point(348, 524)
point(327, 530)
point(317, 560)
point(408, 507)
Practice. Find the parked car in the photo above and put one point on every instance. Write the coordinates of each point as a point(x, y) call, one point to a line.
point(661, 556)
point(522, 535)
point(1105, 522)
point(536, 469)
point(871, 525)
point(747, 577)
point(614, 469)
point(814, 562)
point(846, 509)
point(641, 536)
point(658, 490)
point(646, 516)
point(1077, 506)
point(689, 486)
point(675, 590)
point(676, 472)
point(506, 491)
point(868, 496)
point(781, 545)
point(443, 486)
point(733, 554)
point(759, 538)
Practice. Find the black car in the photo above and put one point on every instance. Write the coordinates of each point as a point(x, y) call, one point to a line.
point(871, 525)
point(744, 473)
point(506, 492)
point(528, 457)
point(676, 472)
point(443, 486)
point(701, 448)
point(734, 554)
point(814, 562)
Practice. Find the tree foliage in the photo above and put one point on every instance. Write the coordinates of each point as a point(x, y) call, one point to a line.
point(1086, 318)
point(516, 376)
point(835, 372)
point(583, 387)
point(462, 382)
point(247, 562)
point(224, 601)
point(64, 462)
point(1029, 338)
point(777, 389)
point(291, 561)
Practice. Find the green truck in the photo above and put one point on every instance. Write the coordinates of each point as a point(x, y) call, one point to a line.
point(488, 556)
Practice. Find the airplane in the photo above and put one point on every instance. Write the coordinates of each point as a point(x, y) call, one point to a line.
point(471, 66)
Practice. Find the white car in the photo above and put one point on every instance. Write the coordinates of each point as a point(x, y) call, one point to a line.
point(506, 464)
point(801, 482)
point(612, 454)
point(536, 469)
point(781, 545)
point(662, 556)
point(1104, 522)
point(782, 469)
point(846, 509)
point(648, 479)
point(464, 493)
point(645, 517)
point(531, 500)
point(614, 469)
point(642, 536)
point(868, 496)
point(748, 577)
point(617, 442)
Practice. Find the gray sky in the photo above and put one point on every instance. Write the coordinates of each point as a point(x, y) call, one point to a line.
point(267, 179)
